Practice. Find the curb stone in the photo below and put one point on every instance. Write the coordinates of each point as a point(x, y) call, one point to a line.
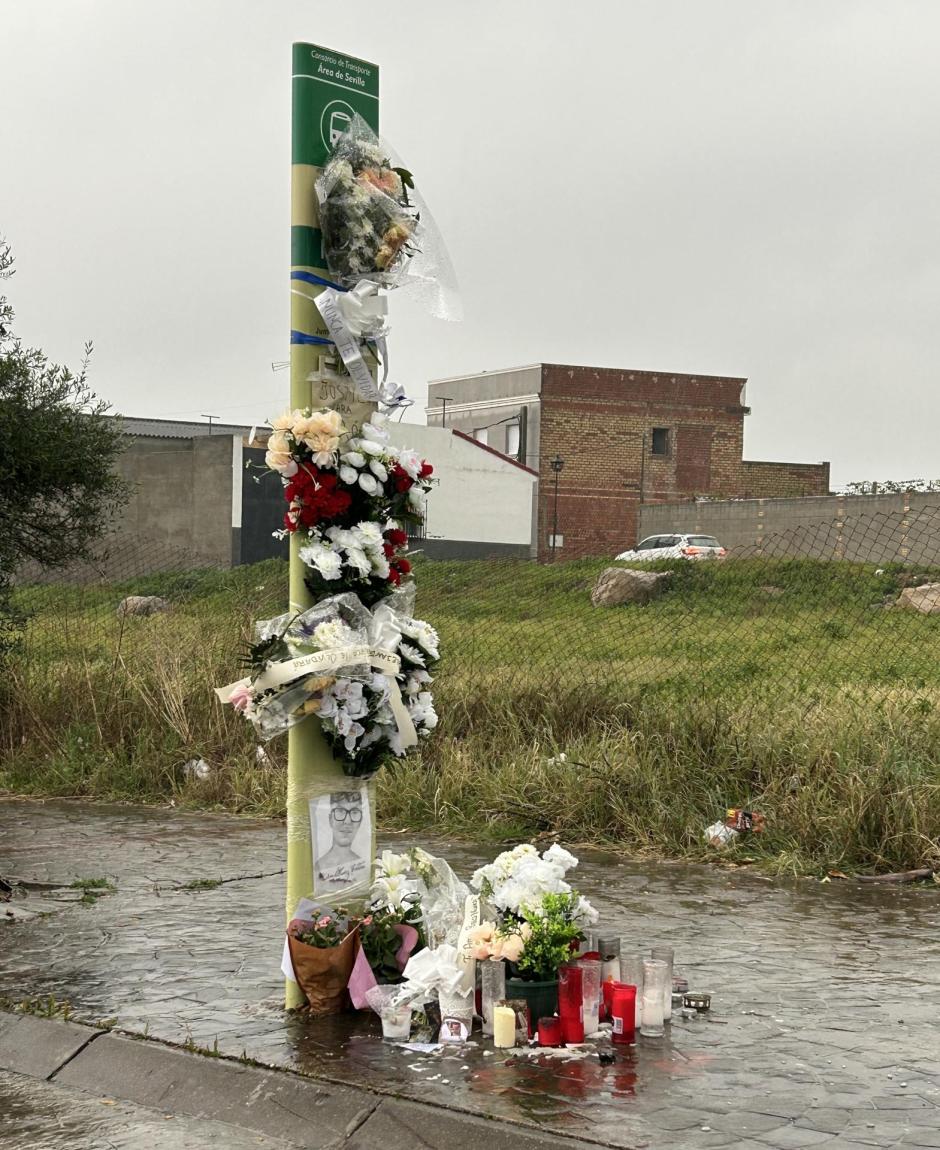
point(302, 1111)
point(39, 1047)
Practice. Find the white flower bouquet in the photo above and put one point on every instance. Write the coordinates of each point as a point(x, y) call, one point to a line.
point(364, 674)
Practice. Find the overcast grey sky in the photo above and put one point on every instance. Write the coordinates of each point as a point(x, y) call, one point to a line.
point(742, 187)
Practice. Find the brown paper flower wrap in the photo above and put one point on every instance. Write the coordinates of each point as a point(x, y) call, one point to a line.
point(322, 972)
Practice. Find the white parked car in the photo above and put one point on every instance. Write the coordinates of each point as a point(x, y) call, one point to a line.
point(675, 547)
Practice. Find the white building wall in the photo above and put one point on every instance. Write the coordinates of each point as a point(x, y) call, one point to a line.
point(479, 497)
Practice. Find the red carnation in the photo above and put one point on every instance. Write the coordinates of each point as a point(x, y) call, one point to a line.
point(393, 576)
point(403, 566)
point(397, 537)
point(426, 469)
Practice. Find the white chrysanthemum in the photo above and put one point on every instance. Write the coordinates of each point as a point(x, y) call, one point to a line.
point(369, 533)
point(558, 855)
point(353, 735)
point(422, 711)
point(412, 654)
point(323, 559)
point(584, 913)
point(415, 681)
point(333, 634)
point(423, 634)
point(357, 558)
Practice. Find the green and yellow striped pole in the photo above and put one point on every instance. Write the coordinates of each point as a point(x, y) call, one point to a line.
point(328, 89)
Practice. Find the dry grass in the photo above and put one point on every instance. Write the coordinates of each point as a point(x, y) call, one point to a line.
point(815, 706)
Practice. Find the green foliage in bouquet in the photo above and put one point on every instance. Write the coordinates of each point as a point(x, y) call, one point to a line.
point(382, 942)
point(554, 929)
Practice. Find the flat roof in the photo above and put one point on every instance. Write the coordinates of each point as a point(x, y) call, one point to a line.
point(146, 428)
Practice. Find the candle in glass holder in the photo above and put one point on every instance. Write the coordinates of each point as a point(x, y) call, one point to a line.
point(550, 1032)
point(623, 1014)
point(631, 974)
point(651, 1015)
point(571, 1003)
point(590, 992)
point(607, 993)
point(493, 984)
point(667, 955)
point(504, 1026)
point(609, 948)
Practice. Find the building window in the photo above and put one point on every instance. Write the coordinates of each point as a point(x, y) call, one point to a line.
point(481, 434)
point(512, 439)
point(660, 445)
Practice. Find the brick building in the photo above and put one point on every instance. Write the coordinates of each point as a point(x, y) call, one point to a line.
point(624, 438)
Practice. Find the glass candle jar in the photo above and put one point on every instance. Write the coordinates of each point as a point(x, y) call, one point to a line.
point(631, 973)
point(590, 992)
point(396, 1023)
point(571, 1003)
point(667, 955)
point(493, 987)
point(654, 984)
point(609, 949)
point(623, 1014)
point(550, 1031)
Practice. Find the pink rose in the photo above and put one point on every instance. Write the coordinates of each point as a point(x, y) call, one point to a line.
point(512, 948)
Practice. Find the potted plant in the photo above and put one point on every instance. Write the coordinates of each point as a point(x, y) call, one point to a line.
point(552, 935)
point(540, 917)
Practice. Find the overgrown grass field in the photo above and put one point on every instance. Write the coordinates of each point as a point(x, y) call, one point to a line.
point(793, 687)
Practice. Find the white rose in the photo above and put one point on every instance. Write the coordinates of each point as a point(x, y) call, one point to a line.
point(369, 484)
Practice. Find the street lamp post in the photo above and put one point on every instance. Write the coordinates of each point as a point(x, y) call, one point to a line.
point(445, 399)
point(557, 464)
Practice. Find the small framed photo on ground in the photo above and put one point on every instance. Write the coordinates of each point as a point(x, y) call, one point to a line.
point(341, 833)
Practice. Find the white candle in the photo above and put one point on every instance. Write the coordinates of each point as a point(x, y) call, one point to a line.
point(504, 1026)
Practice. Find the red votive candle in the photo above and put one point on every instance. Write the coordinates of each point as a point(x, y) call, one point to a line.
point(623, 1014)
point(550, 1031)
point(571, 1003)
point(607, 993)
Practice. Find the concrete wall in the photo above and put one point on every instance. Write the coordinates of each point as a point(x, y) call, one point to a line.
point(861, 528)
point(183, 495)
point(479, 499)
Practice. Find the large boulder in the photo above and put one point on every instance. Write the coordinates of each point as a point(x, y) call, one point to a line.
point(142, 605)
point(617, 585)
point(925, 598)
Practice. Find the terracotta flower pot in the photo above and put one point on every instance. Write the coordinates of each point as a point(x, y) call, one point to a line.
point(322, 972)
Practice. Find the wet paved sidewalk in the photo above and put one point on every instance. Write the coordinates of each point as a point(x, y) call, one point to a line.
point(824, 1031)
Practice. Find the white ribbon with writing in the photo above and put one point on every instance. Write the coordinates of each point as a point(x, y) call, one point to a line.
point(349, 317)
point(278, 674)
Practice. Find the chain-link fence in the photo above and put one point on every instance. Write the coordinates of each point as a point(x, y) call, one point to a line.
point(796, 622)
